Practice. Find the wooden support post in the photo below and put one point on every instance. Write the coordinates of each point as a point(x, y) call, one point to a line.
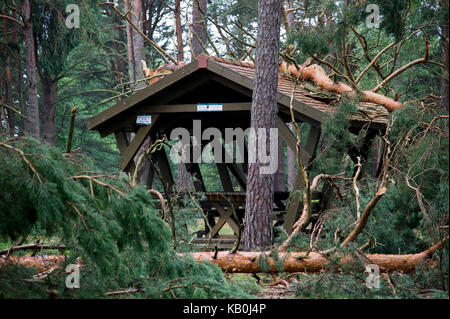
point(245, 164)
point(291, 140)
point(224, 177)
point(313, 141)
point(199, 185)
point(363, 152)
point(122, 144)
point(192, 108)
point(240, 176)
point(226, 216)
point(197, 178)
point(164, 168)
point(380, 158)
point(151, 173)
point(136, 143)
point(236, 171)
point(294, 201)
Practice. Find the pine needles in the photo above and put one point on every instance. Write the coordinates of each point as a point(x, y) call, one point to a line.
point(112, 228)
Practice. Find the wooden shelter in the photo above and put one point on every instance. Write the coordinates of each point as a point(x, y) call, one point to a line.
point(173, 102)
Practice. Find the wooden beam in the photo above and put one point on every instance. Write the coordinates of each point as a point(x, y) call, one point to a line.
point(238, 174)
point(245, 164)
point(224, 216)
point(234, 226)
point(199, 185)
point(224, 177)
point(313, 141)
point(314, 115)
point(192, 108)
point(164, 169)
point(128, 118)
point(140, 95)
point(122, 144)
point(293, 204)
point(291, 140)
point(151, 172)
point(236, 171)
point(136, 143)
point(197, 178)
point(294, 201)
point(285, 113)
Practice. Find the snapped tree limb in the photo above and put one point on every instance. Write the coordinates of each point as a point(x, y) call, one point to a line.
point(318, 75)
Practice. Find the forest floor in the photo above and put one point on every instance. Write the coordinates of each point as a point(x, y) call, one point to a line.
point(277, 292)
point(266, 286)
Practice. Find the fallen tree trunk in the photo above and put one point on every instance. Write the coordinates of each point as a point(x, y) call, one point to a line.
point(318, 75)
point(37, 247)
point(248, 262)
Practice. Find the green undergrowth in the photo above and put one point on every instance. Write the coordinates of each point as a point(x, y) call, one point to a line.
point(113, 229)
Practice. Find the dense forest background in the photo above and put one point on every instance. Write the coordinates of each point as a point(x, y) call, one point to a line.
point(55, 68)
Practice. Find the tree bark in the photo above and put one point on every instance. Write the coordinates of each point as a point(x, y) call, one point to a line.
point(289, 19)
point(49, 100)
point(130, 51)
point(199, 37)
point(19, 78)
point(33, 125)
point(247, 262)
point(184, 179)
point(138, 42)
point(444, 57)
point(9, 96)
point(258, 232)
point(179, 32)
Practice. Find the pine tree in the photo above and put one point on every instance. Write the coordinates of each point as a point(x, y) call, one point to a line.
point(259, 198)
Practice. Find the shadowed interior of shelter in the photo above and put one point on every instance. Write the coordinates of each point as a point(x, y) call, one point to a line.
point(173, 102)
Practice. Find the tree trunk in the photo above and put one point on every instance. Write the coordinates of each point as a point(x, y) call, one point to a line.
point(32, 126)
point(130, 51)
point(19, 78)
point(444, 57)
point(138, 43)
point(184, 179)
point(199, 37)
point(289, 19)
point(9, 96)
point(49, 100)
point(241, 51)
point(179, 32)
point(3, 117)
point(248, 262)
point(259, 204)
